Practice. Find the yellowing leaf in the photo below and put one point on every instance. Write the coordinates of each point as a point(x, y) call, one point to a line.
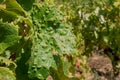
point(6, 74)
point(116, 4)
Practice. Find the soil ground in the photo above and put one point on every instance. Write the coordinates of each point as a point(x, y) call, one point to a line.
point(102, 68)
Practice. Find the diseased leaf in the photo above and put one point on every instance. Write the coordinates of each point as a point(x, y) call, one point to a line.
point(51, 36)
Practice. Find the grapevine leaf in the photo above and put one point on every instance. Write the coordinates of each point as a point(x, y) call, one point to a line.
point(22, 71)
point(6, 74)
point(14, 6)
point(7, 63)
point(7, 15)
point(51, 36)
point(1, 1)
point(8, 36)
point(25, 4)
point(58, 74)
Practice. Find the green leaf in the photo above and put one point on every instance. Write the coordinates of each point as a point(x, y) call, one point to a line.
point(51, 36)
point(59, 74)
point(1, 1)
point(6, 74)
point(7, 63)
point(22, 66)
point(25, 5)
point(14, 6)
point(7, 16)
point(65, 39)
point(8, 36)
